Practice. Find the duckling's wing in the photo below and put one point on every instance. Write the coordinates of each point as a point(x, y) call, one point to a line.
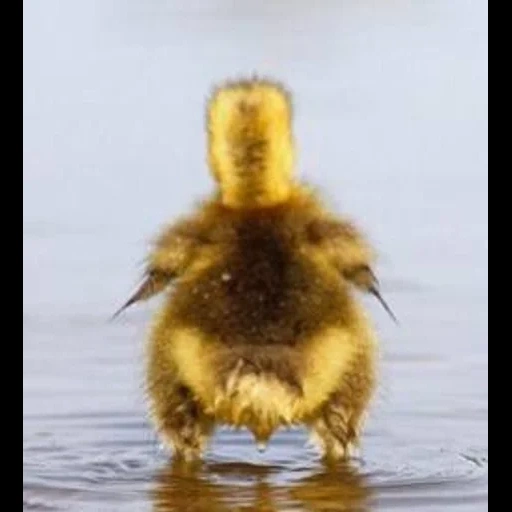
point(155, 282)
point(365, 279)
point(376, 293)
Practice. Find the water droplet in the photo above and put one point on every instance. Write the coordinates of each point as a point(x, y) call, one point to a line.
point(262, 446)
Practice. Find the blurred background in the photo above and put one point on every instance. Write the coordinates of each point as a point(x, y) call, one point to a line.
point(391, 120)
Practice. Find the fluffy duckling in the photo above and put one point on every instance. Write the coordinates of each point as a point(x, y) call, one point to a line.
point(261, 328)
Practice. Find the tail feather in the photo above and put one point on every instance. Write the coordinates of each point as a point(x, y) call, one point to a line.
point(257, 399)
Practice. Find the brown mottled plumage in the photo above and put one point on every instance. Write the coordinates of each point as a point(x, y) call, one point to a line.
point(261, 328)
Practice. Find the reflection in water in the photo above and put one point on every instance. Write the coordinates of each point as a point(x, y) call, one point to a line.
point(197, 487)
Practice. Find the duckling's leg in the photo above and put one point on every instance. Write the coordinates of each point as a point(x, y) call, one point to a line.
point(336, 430)
point(182, 424)
point(337, 427)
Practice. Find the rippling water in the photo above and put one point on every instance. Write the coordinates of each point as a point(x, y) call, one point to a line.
point(391, 120)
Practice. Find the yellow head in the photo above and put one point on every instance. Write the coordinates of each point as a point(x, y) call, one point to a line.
point(250, 143)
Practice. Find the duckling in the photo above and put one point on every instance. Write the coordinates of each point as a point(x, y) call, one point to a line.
point(261, 328)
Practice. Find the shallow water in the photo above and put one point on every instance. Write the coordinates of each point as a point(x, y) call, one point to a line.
point(391, 113)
